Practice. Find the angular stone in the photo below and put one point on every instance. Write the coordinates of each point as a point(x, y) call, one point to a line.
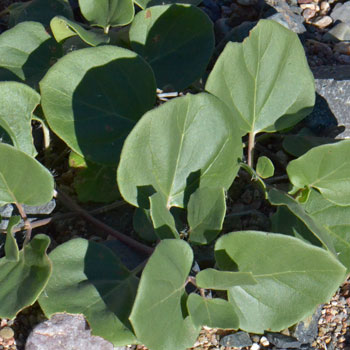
point(340, 32)
point(283, 341)
point(65, 332)
point(342, 13)
point(238, 340)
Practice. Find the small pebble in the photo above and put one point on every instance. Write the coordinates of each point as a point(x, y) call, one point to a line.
point(6, 333)
point(264, 341)
point(308, 14)
point(324, 7)
point(255, 346)
point(322, 22)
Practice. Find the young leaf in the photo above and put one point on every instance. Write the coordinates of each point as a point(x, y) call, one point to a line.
point(176, 40)
point(23, 179)
point(215, 313)
point(158, 298)
point(107, 13)
point(63, 28)
point(88, 279)
point(93, 97)
point(264, 167)
point(27, 52)
point(330, 174)
point(24, 273)
point(149, 3)
point(293, 278)
point(184, 143)
point(17, 103)
point(205, 214)
point(265, 80)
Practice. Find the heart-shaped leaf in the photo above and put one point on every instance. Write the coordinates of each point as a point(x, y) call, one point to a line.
point(264, 167)
point(158, 298)
point(107, 13)
point(87, 278)
point(27, 52)
point(63, 28)
point(176, 40)
point(23, 179)
point(330, 173)
point(93, 97)
point(293, 278)
point(184, 143)
point(206, 211)
point(265, 80)
point(215, 313)
point(17, 103)
point(23, 273)
point(149, 3)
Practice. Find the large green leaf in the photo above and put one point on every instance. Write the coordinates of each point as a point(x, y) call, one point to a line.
point(206, 211)
point(107, 13)
point(265, 80)
point(87, 278)
point(38, 11)
point(149, 3)
point(176, 40)
point(157, 314)
point(293, 278)
point(63, 28)
point(17, 103)
point(93, 97)
point(215, 313)
point(23, 179)
point(325, 168)
point(186, 142)
point(23, 273)
point(27, 51)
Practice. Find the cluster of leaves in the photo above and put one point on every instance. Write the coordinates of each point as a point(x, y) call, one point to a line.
point(186, 153)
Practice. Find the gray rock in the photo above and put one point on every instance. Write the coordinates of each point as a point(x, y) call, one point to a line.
point(65, 332)
point(40, 209)
point(340, 32)
point(283, 341)
point(342, 13)
point(238, 340)
point(5, 214)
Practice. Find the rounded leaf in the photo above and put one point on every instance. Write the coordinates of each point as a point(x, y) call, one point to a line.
point(264, 78)
point(23, 179)
point(265, 167)
point(186, 142)
point(93, 97)
point(176, 40)
point(149, 3)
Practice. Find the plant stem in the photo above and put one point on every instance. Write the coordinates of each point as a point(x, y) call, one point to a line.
point(27, 223)
point(106, 30)
point(68, 202)
point(251, 142)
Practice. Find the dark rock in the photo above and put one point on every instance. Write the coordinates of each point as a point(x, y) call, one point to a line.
point(283, 341)
point(342, 13)
point(238, 340)
point(221, 28)
point(65, 332)
point(212, 9)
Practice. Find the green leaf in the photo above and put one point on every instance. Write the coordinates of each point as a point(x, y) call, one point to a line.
point(63, 28)
point(149, 3)
point(176, 40)
point(143, 225)
point(93, 97)
point(163, 221)
point(94, 182)
point(293, 278)
point(221, 280)
point(330, 174)
point(27, 52)
point(41, 11)
point(107, 13)
point(88, 279)
point(23, 179)
point(17, 103)
point(24, 273)
point(206, 211)
point(264, 167)
point(215, 313)
point(183, 143)
point(158, 298)
point(265, 80)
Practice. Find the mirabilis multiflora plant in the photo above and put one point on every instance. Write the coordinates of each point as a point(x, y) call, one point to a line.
point(185, 154)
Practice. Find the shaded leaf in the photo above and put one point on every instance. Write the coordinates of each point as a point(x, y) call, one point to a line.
point(206, 212)
point(184, 143)
point(23, 274)
point(293, 278)
point(149, 3)
point(176, 40)
point(264, 167)
point(17, 103)
point(161, 288)
point(23, 179)
point(63, 28)
point(93, 97)
point(143, 224)
point(88, 279)
point(265, 80)
point(330, 174)
point(215, 313)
